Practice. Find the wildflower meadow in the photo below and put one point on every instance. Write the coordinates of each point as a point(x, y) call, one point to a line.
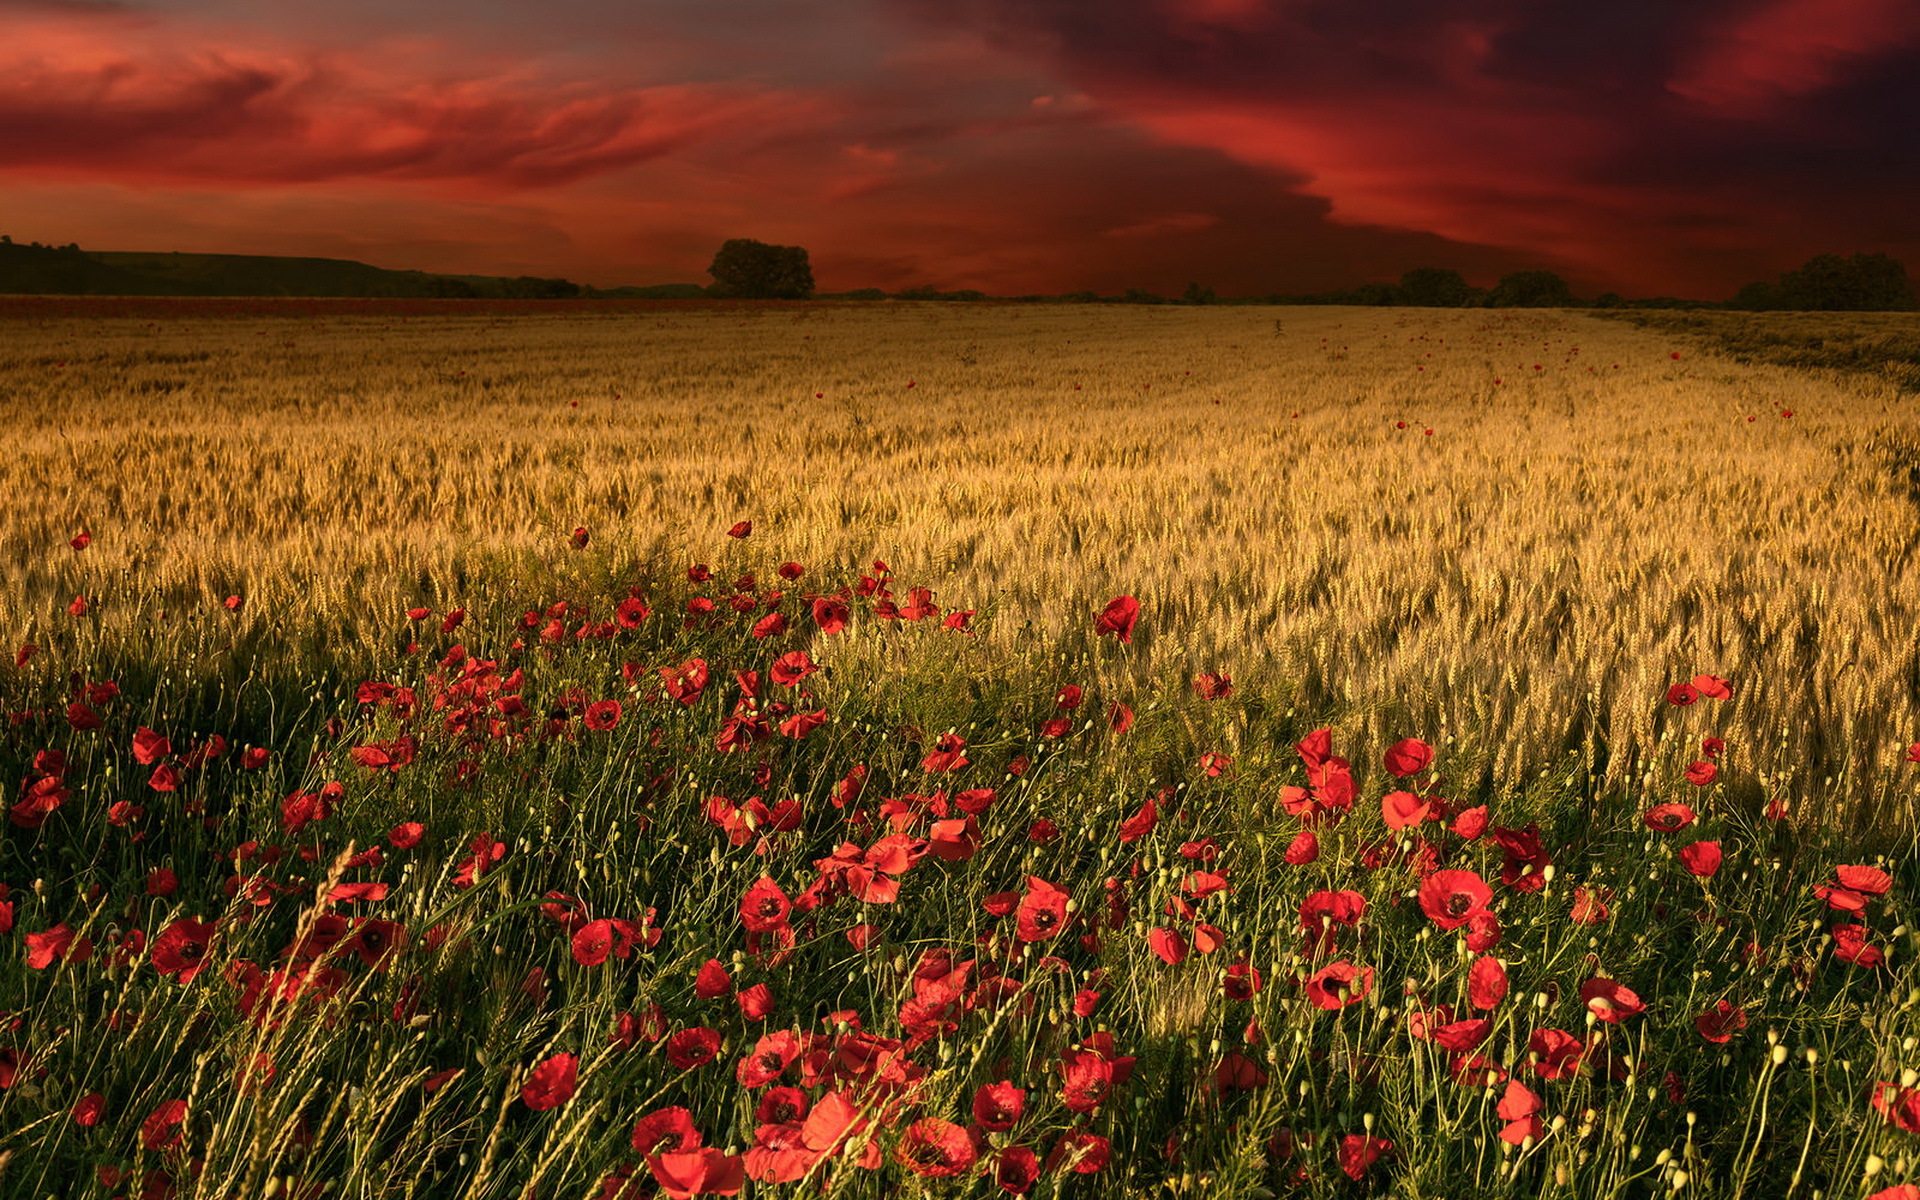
point(706, 846)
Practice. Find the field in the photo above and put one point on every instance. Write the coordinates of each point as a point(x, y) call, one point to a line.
point(508, 751)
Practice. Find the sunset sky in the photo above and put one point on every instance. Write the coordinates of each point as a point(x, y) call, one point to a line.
point(1257, 146)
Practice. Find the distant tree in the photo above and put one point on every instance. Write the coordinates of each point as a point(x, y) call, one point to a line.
point(864, 294)
point(1610, 300)
point(1195, 294)
point(1530, 289)
point(1827, 282)
point(1756, 297)
point(1376, 294)
point(750, 270)
point(1434, 287)
point(1142, 296)
point(1081, 297)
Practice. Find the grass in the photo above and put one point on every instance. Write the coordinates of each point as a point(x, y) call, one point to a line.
point(1463, 590)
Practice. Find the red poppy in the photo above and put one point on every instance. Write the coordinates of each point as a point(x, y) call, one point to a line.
point(1850, 945)
point(603, 715)
point(1701, 859)
point(1359, 1152)
point(552, 1083)
point(161, 882)
point(1235, 1072)
point(1682, 694)
point(1451, 898)
point(1242, 981)
point(1409, 757)
point(666, 1130)
point(1719, 1023)
point(997, 1106)
point(1520, 1108)
point(1402, 810)
point(1701, 774)
point(1016, 1169)
point(1610, 1001)
point(87, 1109)
point(765, 906)
point(181, 950)
point(406, 835)
point(1117, 619)
point(1898, 1106)
point(1085, 1153)
point(1087, 1079)
point(1713, 687)
point(948, 754)
point(1304, 848)
point(1213, 685)
point(936, 1148)
point(162, 1126)
point(1913, 753)
point(691, 1048)
point(1668, 818)
point(1590, 905)
point(1556, 1054)
point(78, 608)
point(1042, 911)
point(1486, 983)
point(1470, 824)
point(1339, 984)
point(1119, 717)
point(703, 1172)
point(579, 538)
point(81, 540)
point(790, 668)
point(50, 946)
point(712, 981)
point(831, 613)
point(740, 529)
point(149, 747)
point(686, 681)
point(1856, 885)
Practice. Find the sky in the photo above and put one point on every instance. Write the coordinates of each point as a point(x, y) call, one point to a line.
point(1650, 147)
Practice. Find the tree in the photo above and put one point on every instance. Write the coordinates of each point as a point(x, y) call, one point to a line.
point(1530, 289)
point(1196, 294)
point(1434, 287)
point(1827, 282)
point(752, 270)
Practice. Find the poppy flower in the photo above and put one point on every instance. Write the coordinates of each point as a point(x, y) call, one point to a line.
point(1242, 981)
point(181, 950)
point(789, 669)
point(1713, 687)
point(1898, 1106)
point(1141, 823)
point(406, 835)
point(1119, 717)
point(81, 540)
point(1682, 694)
point(703, 1172)
point(712, 981)
point(1212, 685)
point(1556, 1054)
point(87, 1109)
point(1470, 824)
point(1451, 898)
point(935, 1148)
point(1701, 859)
point(162, 1126)
point(78, 608)
point(1850, 945)
point(49, 946)
point(756, 1002)
point(580, 538)
point(997, 1106)
point(1304, 848)
point(1215, 765)
point(1402, 810)
point(1235, 1072)
point(1117, 619)
point(1520, 1108)
point(603, 715)
point(1719, 1023)
point(1085, 1153)
point(691, 1048)
point(1016, 1169)
point(1409, 757)
point(1168, 944)
point(1668, 818)
point(948, 754)
point(740, 529)
point(1358, 1152)
point(1486, 983)
point(831, 614)
point(1610, 1001)
point(149, 747)
point(1913, 753)
point(1701, 774)
point(1339, 984)
point(666, 1130)
point(254, 758)
point(1042, 911)
point(552, 1083)
point(1086, 1078)
point(1590, 905)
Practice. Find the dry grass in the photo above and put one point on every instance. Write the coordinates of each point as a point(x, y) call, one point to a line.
point(1529, 578)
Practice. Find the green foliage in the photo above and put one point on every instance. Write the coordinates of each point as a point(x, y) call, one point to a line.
point(1434, 287)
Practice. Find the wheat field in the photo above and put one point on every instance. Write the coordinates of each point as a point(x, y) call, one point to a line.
point(1598, 510)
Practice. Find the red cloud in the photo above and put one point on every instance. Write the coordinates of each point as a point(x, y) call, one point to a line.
point(75, 101)
point(1792, 48)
